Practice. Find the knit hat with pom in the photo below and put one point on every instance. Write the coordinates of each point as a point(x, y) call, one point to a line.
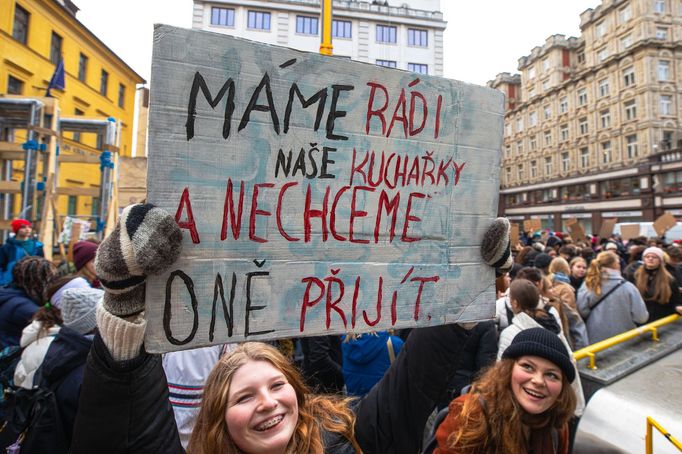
point(79, 306)
point(496, 245)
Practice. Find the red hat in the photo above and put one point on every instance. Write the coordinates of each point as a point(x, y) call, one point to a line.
point(19, 223)
point(83, 252)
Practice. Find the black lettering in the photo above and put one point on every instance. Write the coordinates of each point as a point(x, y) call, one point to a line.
point(189, 284)
point(218, 290)
point(250, 308)
point(320, 96)
point(264, 83)
point(283, 162)
point(334, 114)
point(325, 161)
point(200, 83)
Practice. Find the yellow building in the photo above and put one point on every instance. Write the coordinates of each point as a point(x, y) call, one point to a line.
point(34, 36)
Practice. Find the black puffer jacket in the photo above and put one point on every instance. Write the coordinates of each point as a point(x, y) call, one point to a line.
point(124, 406)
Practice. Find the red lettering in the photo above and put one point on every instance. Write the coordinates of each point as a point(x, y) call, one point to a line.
point(308, 213)
point(436, 129)
point(332, 217)
point(279, 211)
point(409, 217)
point(379, 296)
point(425, 112)
point(189, 223)
point(390, 207)
point(388, 163)
point(356, 213)
point(358, 169)
point(401, 118)
point(228, 207)
point(380, 173)
point(458, 170)
point(333, 305)
point(356, 292)
point(414, 172)
point(255, 212)
point(306, 297)
point(422, 281)
point(371, 112)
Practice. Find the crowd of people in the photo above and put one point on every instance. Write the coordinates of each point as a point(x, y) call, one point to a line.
point(509, 384)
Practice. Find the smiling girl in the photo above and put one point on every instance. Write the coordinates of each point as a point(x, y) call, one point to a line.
point(522, 404)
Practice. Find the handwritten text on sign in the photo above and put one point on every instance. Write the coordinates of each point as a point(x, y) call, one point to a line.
point(317, 195)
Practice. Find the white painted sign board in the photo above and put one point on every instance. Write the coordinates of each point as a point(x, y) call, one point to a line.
point(317, 195)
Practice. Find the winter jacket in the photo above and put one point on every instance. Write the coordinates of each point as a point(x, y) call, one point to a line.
point(676, 272)
point(620, 311)
point(559, 442)
point(366, 359)
point(35, 349)
point(62, 370)
point(657, 310)
point(524, 321)
point(564, 292)
point(322, 360)
point(124, 405)
point(12, 251)
point(186, 372)
point(16, 311)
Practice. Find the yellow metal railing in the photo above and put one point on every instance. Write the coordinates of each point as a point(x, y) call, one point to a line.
point(591, 350)
point(650, 423)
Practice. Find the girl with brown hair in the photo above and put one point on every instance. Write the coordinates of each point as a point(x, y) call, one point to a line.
point(578, 268)
point(521, 404)
point(608, 303)
point(657, 286)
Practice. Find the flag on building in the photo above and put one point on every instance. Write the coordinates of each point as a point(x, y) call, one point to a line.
point(57, 80)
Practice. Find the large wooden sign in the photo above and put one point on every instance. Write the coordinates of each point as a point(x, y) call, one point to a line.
point(316, 194)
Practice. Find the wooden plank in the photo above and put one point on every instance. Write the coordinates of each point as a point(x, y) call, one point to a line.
point(83, 159)
point(13, 187)
point(290, 263)
point(92, 192)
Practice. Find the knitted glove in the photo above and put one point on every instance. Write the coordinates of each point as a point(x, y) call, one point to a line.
point(146, 241)
point(496, 245)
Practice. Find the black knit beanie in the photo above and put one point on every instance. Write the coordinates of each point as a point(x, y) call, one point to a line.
point(545, 344)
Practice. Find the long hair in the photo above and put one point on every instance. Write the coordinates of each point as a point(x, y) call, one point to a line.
point(30, 274)
point(606, 259)
point(499, 428)
point(315, 413)
point(559, 265)
point(661, 284)
point(520, 257)
point(575, 260)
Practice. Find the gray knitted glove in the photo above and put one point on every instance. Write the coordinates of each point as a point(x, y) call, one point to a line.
point(496, 245)
point(146, 241)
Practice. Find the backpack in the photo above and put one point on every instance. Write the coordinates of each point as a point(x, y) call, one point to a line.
point(9, 358)
point(33, 423)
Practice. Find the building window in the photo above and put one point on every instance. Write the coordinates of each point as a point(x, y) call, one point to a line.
point(666, 105)
point(581, 58)
point(563, 132)
point(671, 182)
point(545, 85)
point(584, 158)
point(630, 110)
point(103, 83)
point(532, 119)
point(626, 41)
point(547, 112)
point(342, 29)
point(582, 97)
point(663, 70)
point(386, 34)
point(622, 187)
point(418, 68)
point(661, 33)
point(306, 25)
point(603, 54)
point(565, 162)
point(222, 16)
point(77, 135)
point(659, 6)
point(629, 76)
point(82, 67)
point(583, 126)
point(563, 105)
point(14, 86)
point(56, 48)
point(603, 87)
point(519, 124)
point(507, 129)
point(531, 72)
point(548, 138)
point(531, 92)
point(416, 37)
point(624, 14)
point(121, 95)
point(533, 169)
point(508, 172)
point(72, 206)
point(519, 148)
point(258, 20)
point(605, 116)
point(20, 29)
point(533, 141)
point(507, 151)
point(519, 172)
point(387, 63)
point(548, 167)
point(601, 29)
point(606, 152)
point(545, 64)
point(631, 146)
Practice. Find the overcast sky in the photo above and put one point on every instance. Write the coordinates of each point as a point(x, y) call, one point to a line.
point(483, 37)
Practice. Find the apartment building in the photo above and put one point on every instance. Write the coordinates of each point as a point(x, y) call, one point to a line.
point(398, 34)
point(592, 127)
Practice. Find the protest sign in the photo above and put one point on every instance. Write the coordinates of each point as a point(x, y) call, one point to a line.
point(664, 223)
point(514, 235)
point(577, 230)
point(316, 195)
point(629, 231)
point(607, 226)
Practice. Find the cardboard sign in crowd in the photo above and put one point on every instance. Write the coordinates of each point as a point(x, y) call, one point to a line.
point(316, 195)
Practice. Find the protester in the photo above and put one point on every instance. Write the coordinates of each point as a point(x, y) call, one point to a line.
point(674, 265)
point(366, 358)
point(609, 304)
point(522, 404)
point(559, 272)
point(254, 400)
point(35, 340)
point(634, 262)
point(322, 363)
point(84, 261)
point(657, 287)
point(21, 300)
point(21, 245)
point(502, 284)
point(578, 270)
